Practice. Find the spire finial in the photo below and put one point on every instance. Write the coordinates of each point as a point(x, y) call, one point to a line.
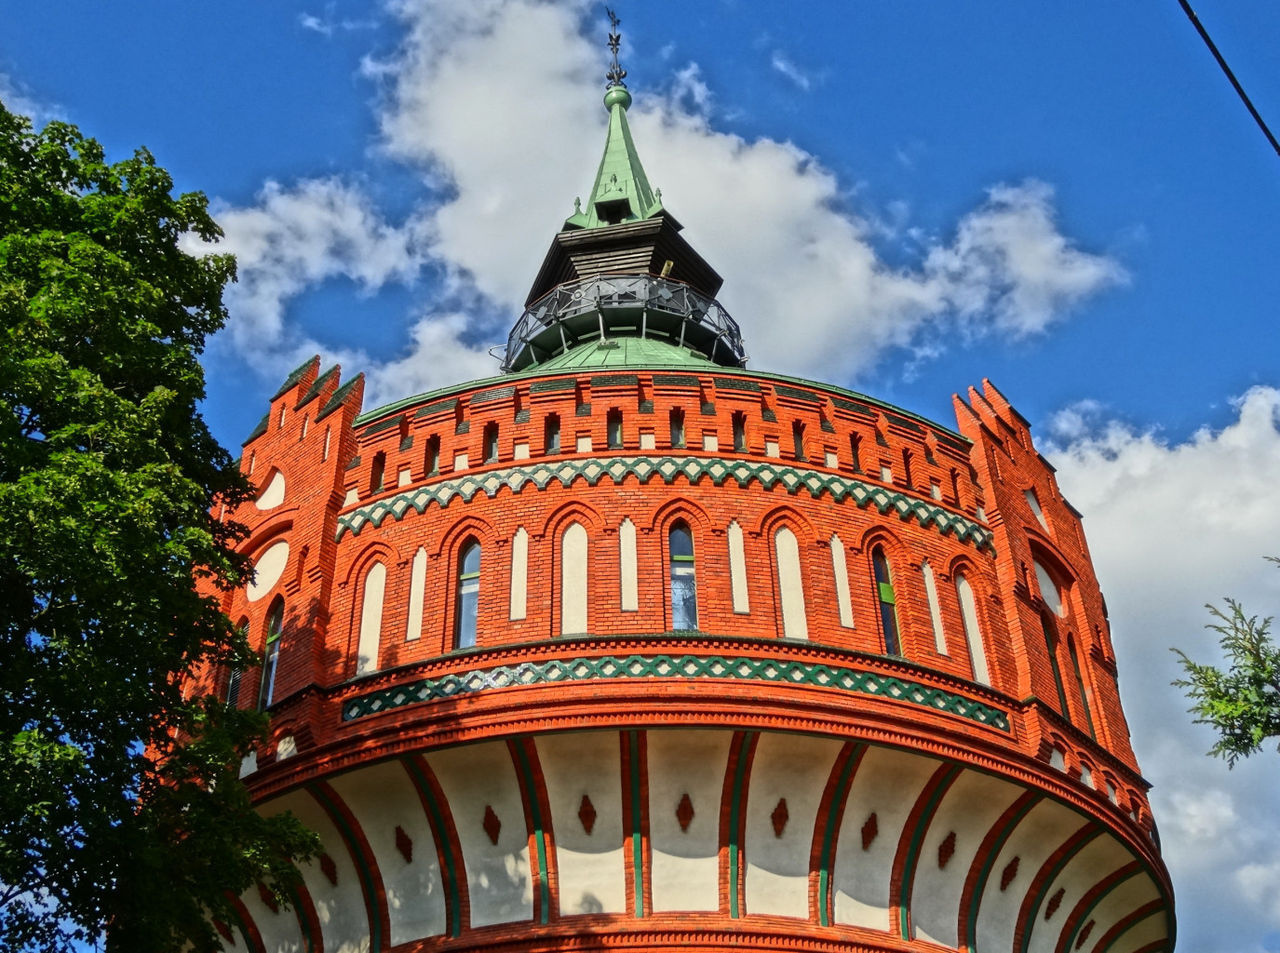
point(616, 75)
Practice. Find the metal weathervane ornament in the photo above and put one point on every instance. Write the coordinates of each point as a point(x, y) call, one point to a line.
point(616, 75)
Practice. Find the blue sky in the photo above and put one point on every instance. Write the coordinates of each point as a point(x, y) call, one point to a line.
point(904, 197)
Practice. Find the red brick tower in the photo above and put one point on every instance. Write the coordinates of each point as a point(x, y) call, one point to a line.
point(630, 647)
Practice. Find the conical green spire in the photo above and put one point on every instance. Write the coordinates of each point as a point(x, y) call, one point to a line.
point(621, 192)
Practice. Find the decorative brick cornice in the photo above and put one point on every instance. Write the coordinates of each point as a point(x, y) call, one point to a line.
point(664, 666)
point(717, 470)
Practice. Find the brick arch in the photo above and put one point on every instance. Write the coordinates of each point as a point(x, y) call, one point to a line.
point(376, 551)
point(573, 511)
point(792, 517)
point(680, 507)
point(469, 524)
point(276, 525)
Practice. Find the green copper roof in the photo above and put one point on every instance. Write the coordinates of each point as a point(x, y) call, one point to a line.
point(621, 192)
point(625, 352)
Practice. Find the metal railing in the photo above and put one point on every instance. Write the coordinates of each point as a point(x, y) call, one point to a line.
point(646, 306)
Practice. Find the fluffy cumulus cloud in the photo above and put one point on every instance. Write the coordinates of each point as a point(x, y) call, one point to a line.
point(1173, 525)
point(503, 159)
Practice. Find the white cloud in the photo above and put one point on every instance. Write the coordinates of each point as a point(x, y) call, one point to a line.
point(768, 215)
point(497, 104)
point(782, 64)
point(18, 99)
point(324, 230)
point(1173, 525)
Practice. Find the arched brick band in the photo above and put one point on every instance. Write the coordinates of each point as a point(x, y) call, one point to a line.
point(715, 469)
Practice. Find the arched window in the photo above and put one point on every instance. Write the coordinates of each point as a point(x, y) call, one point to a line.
point(551, 433)
point(468, 604)
point(677, 427)
point(797, 439)
point(972, 633)
point(613, 429)
point(377, 472)
point(490, 443)
point(739, 432)
point(234, 676)
point(431, 459)
point(271, 653)
point(684, 587)
point(1083, 695)
point(888, 602)
point(1051, 646)
point(1051, 595)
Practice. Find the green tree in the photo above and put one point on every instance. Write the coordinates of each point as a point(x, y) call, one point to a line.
point(1242, 701)
point(121, 814)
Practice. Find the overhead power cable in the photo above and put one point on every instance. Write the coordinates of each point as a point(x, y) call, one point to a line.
point(1204, 35)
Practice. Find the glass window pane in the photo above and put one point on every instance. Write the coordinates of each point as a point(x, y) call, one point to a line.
point(468, 603)
point(684, 588)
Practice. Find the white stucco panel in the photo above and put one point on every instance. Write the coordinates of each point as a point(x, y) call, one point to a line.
point(267, 570)
point(382, 798)
point(794, 768)
point(968, 809)
point(887, 784)
point(272, 494)
point(475, 777)
point(685, 863)
point(591, 870)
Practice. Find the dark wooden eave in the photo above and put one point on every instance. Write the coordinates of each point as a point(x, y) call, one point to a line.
point(641, 247)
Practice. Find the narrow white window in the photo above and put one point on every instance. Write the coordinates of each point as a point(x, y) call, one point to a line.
point(1049, 590)
point(417, 589)
point(935, 612)
point(972, 634)
point(841, 569)
point(738, 569)
point(790, 585)
point(627, 563)
point(519, 574)
point(573, 580)
point(375, 585)
point(1033, 501)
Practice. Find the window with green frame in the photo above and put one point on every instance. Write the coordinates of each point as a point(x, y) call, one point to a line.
point(684, 587)
point(468, 603)
point(887, 600)
point(271, 653)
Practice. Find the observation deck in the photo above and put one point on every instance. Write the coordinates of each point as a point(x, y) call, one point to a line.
point(644, 306)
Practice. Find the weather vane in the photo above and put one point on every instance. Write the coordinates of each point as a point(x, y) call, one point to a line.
point(616, 75)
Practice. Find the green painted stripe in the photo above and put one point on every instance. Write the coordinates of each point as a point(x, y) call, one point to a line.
point(718, 470)
point(295, 901)
point(826, 857)
point(637, 830)
point(453, 900)
point(242, 927)
point(1049, 881)
point(539, 833)
point(793, 673)
point(1084, 914)
point(971, 925)
point(735, 815)
point(913, 848)
point(363, 873)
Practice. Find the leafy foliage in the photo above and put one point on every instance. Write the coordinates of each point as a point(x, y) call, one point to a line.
point(121, 813)
point(1242, 702)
